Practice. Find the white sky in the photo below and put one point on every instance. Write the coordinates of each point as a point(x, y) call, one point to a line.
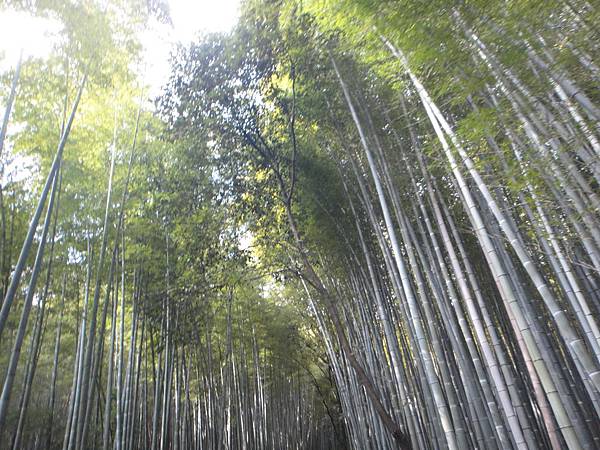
point(35, 36)
point(190, 18)
point(21, 31)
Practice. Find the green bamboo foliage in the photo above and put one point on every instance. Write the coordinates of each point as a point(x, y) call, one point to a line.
point(345, 225)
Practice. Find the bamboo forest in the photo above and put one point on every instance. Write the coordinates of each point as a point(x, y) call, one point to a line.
point(300, 225)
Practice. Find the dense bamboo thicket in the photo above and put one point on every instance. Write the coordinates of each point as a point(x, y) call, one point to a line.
point(344, 224)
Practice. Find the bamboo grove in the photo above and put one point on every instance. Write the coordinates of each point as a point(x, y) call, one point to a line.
point(343, 224)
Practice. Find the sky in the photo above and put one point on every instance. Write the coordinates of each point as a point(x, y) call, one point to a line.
point(20, 30)
point(190, 18)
